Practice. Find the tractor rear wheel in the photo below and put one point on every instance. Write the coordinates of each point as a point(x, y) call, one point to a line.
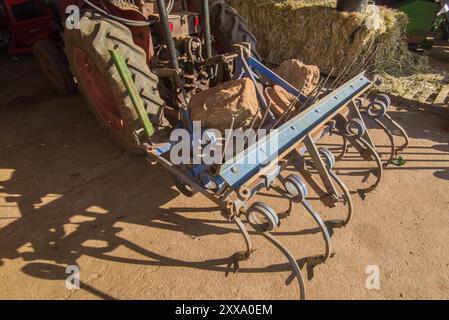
point(88, 51)
point(229, 28)
point(54, 64)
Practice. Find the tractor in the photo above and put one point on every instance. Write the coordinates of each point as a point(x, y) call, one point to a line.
point(33, 26)
point(172, 56)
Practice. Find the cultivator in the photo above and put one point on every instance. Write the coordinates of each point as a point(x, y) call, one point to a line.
point(195, 46)
point(262, 164)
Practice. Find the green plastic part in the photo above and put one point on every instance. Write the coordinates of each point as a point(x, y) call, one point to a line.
point(130, 86)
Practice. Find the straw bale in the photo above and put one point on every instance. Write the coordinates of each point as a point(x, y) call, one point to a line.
point(314, 32)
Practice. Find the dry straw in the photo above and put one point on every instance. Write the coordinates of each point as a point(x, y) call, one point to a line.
point(316, 33)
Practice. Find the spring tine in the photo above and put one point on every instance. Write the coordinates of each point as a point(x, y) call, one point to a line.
point(325, 232)
point(289, 114)
point(353, 71)
point(264, 116)
point(391, 138)
point(401, 130)
point(246, 236)
point(296, 101)
point(261, 123)
point(323, 86)
point(364, 63)
point(315, 96)
point(354, 65)
point(312, 94)
point(306, 103)
point(227, 140)
point(341, 73)
point(317, 92)
point(345, 70)
point(289, 109)
point(250, 129)
point(348, 199)
point(327, 80)
point(368, 52)
point(361, 66)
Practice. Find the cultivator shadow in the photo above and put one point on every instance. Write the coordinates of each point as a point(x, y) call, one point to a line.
point(336, 108)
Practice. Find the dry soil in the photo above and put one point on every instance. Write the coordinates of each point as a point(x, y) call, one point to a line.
point(69, 196)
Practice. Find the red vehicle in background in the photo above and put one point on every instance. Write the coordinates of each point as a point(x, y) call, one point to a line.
point(32, 27)
point(28, 22)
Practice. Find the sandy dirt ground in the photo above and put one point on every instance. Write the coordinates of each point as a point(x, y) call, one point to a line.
point(68, 196)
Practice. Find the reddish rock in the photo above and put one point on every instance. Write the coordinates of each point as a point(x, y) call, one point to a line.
point(216, 107)
point(299, 75)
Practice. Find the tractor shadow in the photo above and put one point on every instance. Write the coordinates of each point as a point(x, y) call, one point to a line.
point(87, 211)
point(70, 186)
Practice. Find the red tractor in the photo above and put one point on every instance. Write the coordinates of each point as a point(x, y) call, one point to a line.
point(174, 49)
point(33, 26)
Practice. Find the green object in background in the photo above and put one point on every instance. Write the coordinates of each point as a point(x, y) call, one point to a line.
point(130, 86)
point(399, 161)
point(421, 14)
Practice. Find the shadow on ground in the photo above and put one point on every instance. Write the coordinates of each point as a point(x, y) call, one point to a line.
point(71, 184)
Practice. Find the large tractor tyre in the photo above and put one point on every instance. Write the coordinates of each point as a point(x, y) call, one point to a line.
point(54, 65)
point(87, 49)
point(229, 28)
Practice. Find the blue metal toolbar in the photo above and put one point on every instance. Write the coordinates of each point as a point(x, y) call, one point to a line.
point(247, 163)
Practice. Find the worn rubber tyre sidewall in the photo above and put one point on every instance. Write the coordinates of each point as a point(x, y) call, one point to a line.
point(229, 28)
point(93, 38)
point(63, 82)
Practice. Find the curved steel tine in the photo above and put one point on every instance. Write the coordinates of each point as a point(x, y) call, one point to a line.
point(376, 156)
point(291, 204)
point(292, 261)
point(344, 150)
point(393, 151)
point(256, 224)
point(349, 203)
point(246, 236)
point(355, 132)
point(375, 111)
point(322, 226)
point(402, 131)
point(330, 162)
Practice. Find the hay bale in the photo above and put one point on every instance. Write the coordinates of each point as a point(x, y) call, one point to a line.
point(314, 32)
point(311, 31)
